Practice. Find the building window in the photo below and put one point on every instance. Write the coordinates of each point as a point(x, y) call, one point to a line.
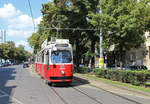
point(133, 56)
point(143, 53)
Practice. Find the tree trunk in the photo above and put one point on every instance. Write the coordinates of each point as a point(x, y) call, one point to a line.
point(121, 58)
point(93, 51)
point(77, 54)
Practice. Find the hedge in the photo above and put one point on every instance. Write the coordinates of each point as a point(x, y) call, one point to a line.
point(125, 76)
point(82, 70)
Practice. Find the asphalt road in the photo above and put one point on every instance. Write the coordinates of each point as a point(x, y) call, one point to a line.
point(22, 86)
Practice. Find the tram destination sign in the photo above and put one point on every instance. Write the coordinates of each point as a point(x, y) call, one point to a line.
point(61, 45)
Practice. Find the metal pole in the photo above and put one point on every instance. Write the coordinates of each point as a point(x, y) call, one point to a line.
point(101, 60)
point(1, 37)
point(101, 40)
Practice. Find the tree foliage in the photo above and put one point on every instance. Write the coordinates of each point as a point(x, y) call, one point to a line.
point(9, 51)
point(126, 20)
point(67, 14)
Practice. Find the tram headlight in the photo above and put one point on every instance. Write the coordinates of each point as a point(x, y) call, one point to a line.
point(63, 72)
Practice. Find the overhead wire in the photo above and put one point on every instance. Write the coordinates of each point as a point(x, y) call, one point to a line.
point(67, 29)
point(55, 28)
point(31, 15)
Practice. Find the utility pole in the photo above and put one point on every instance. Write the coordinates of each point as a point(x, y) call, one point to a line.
point(101, 60)
point(1, 36)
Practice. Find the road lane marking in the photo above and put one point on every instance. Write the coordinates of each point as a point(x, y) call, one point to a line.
point(13, 98)
point(2, 92)
point(3, 96)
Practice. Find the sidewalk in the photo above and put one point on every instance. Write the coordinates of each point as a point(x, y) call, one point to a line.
point(114, 88)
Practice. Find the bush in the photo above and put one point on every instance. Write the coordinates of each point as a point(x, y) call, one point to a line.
point(125, 76)
point(82, 70)
point(100, 72)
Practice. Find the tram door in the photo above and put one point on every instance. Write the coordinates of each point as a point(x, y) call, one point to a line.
point(46, 64)
point(43, 64)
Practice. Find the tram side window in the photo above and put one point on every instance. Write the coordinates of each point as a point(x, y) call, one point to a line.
point(38, 58)
point(46, 57)
point(61, 56)
point(42, 58)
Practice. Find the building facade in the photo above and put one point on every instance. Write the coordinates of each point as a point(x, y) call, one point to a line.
point(2, 36)
point(140, 56)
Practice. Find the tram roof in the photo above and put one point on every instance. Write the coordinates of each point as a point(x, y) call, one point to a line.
point(54, 42)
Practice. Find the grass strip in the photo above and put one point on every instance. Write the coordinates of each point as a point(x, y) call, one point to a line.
point(142, 88)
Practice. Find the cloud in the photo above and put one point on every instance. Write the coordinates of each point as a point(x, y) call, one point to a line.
point(8, 10)
point(19, 33)
point(37, 20)
point(26, 44)
point(19, 22)
point(20, 25)
point(23, 21)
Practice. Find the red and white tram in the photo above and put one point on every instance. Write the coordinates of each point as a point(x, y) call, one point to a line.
point(55, 61)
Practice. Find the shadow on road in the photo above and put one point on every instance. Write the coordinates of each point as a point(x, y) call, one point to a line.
point(79, 81)
point(6, 74)
point(76, 82)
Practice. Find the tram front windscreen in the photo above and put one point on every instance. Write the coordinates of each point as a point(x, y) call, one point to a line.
point(61, 56)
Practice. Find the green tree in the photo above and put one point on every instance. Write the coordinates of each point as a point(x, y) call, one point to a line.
point(9, 51)
point(68, 14)
point(4, 51)
point(34, 42)
point(125, 19)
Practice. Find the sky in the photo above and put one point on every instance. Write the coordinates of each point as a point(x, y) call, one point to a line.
point(15, 18)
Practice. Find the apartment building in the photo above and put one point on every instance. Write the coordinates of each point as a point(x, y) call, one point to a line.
point(141, 55)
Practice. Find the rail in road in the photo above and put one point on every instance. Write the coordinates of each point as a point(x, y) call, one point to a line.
point(90, 97)
point(31, 89)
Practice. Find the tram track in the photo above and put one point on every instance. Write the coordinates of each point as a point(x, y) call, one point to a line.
point(49, 100)
point(112, 93)
point(61, 98)
point(79, 90)
point(92, 98)
point(121, 96)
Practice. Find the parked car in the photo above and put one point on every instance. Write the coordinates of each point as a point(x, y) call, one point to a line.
point(136, 67)
point(6, 64)
point(1, 64)
point(25, 65)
